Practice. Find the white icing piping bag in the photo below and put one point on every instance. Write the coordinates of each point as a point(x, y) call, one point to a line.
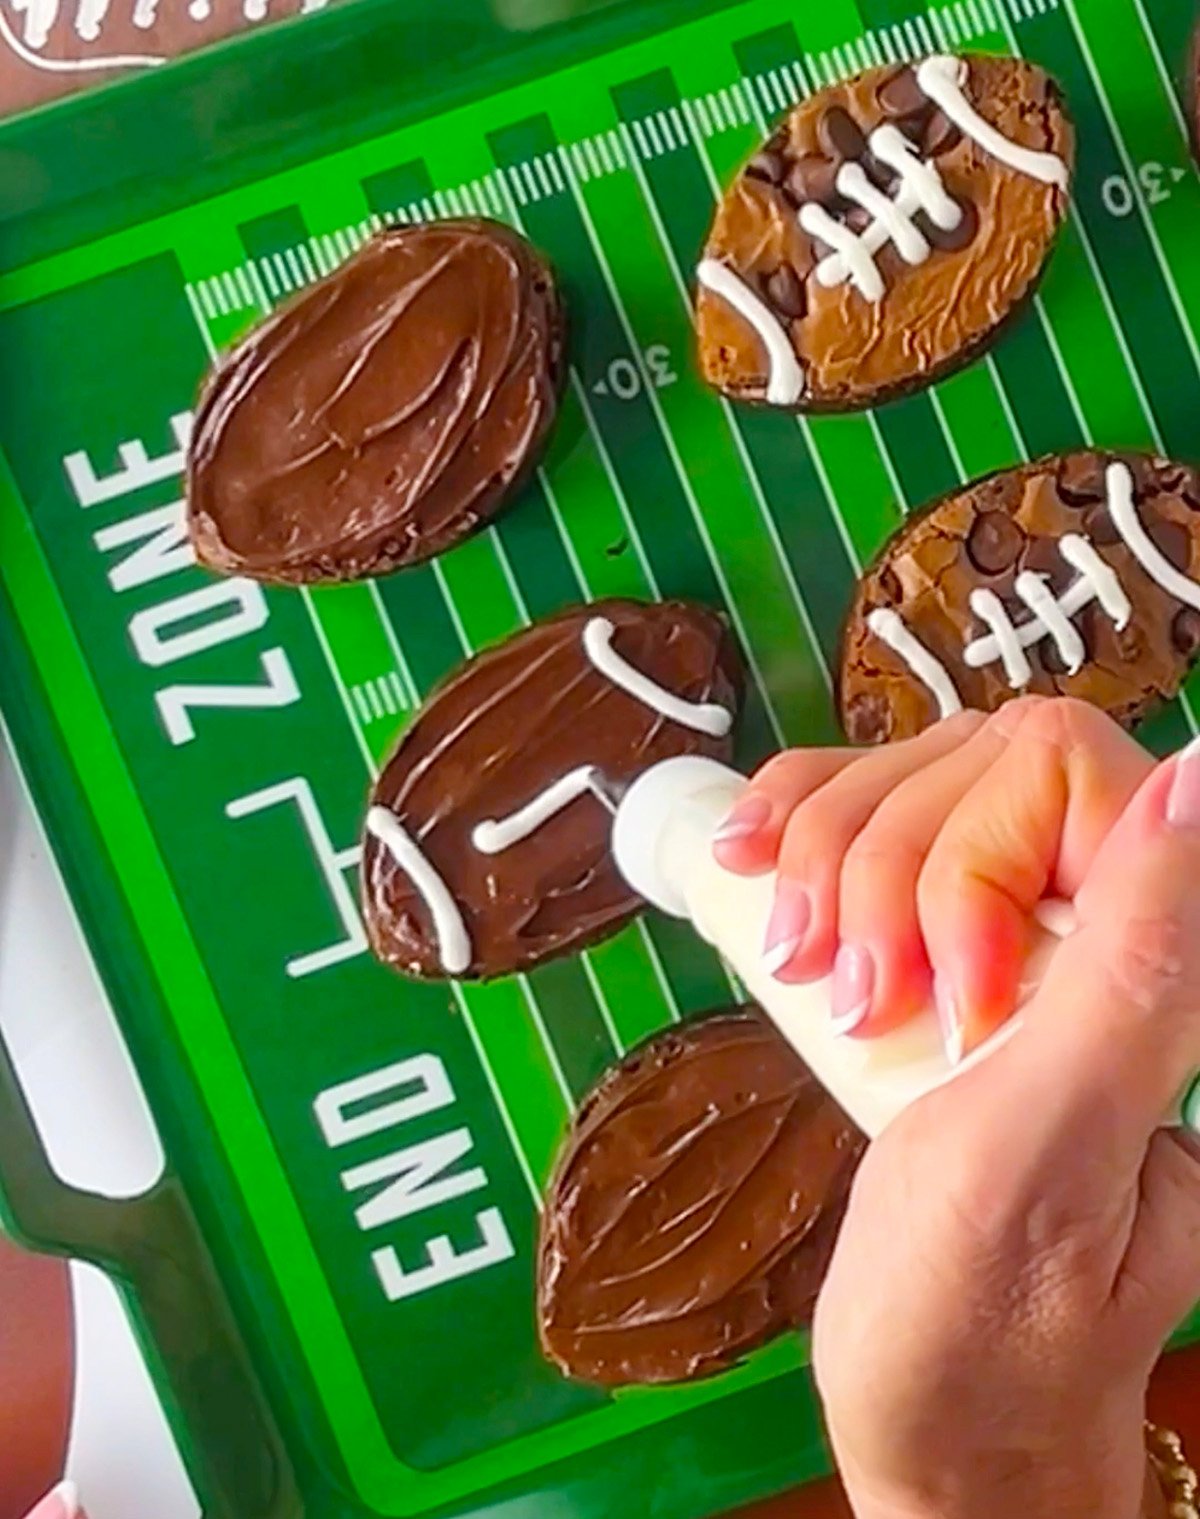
point(662, 843)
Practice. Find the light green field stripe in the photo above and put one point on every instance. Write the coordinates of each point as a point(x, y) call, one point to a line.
point(1084, 331)
point(977, 420)
point(633, 990)
point(1089, 346)
point(591, 513)
point(862, 486)
point(366, 662)
point(1143, 115)
point(483, 606)
point(516, 1053)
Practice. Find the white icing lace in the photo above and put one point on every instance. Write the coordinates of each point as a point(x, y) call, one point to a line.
point(920, 188)
point(1050, 616)
point(40, 17)
point(1006, 641)
point(941, 80)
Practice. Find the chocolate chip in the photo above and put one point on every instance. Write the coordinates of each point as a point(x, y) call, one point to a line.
point(1185, 631)
point(1100, 527)
point(950, 240)
point(785, 292)
point(1171, 540)
point(812, 178)
point(1051, 660)
point(867, 719)
point(940, 135)
point(901, 95)
point(1081, 479)
point(1171, 480)
point(769, 165)
point(880, 174)
point(840, 135)
point(858, 219)
point(994, 543)
point(913, 128)
point(1044, 557)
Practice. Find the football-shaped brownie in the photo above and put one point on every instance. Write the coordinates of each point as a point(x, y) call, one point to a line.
point(884, 232)
point(55, 47)
point(487, 847)
point(1076, 575)
point(382, 415)
point(694, 1207)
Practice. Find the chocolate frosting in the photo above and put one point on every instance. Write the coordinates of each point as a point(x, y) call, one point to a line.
point(694, 1207)
point(934, 316)
point(984, 536)
point(382, 415)
point(504, 727)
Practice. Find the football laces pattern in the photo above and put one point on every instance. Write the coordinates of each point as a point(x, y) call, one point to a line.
point(1050, 616)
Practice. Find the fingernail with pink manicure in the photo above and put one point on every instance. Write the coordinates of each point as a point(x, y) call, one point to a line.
point(787, 925)
point(1183, 802)
point(61, 1502)
point(853, 987)
point(746, 818)
point(949, 1017)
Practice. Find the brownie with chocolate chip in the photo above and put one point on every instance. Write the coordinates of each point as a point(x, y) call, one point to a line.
point(884, 233)
point(1076, 575)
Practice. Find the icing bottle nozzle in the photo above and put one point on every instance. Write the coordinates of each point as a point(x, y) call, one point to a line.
point(662, 844)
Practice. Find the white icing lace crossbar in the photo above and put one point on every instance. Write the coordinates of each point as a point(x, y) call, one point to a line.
point(919, 188)
point(1050, 616)
point(941, 79)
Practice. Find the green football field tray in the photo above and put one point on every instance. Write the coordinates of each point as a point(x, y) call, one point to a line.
point(200, 750)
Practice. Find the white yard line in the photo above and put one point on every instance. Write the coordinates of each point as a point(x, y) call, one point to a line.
point(673, 449)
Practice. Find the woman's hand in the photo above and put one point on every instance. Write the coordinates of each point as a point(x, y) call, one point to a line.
point(916, 866)
point(1021, 1241)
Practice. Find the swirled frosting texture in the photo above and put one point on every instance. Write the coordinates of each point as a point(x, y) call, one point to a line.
point(508, 724)
point(694, 1207)
point(384, 414)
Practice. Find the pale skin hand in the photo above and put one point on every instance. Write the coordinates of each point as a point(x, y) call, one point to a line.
point(1019, 1243)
